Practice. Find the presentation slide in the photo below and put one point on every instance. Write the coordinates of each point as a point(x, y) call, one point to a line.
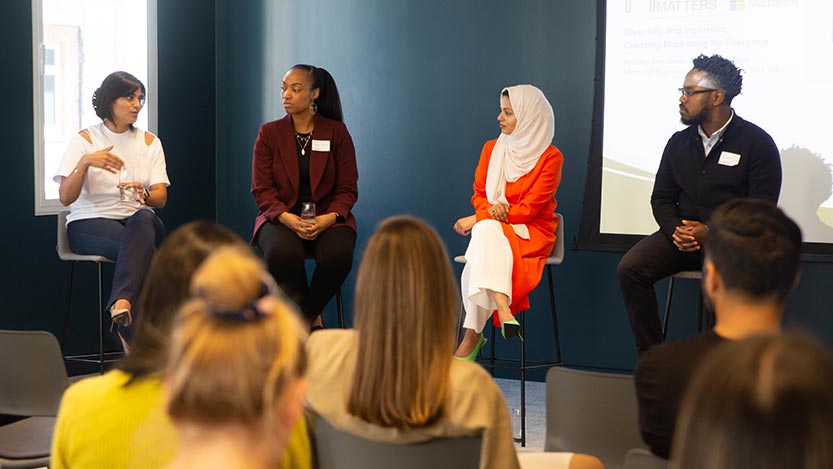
point(785, 48)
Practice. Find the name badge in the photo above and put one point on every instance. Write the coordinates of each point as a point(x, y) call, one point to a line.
point(324, 145)
point(727, 158)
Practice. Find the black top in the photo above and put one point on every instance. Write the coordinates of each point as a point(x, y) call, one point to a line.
point(304, 191)
point(690, 186)
point(662, 376)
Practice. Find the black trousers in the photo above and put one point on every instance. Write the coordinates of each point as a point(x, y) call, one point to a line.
point(649, 261)
point(285, 254)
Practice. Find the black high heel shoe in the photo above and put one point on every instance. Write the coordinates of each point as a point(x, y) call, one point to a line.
point(511, 328)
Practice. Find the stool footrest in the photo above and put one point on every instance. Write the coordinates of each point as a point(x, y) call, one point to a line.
point(109, 357)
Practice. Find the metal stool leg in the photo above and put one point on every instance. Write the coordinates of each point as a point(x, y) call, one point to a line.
point(68, 308)
point(523, 383)
point(700, 312)
point(667, 307)
point(340, 308)
point(492, 350)
point(100, 321)
point(554, 318)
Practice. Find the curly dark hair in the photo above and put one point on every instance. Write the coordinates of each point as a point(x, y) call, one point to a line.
point(723, 71)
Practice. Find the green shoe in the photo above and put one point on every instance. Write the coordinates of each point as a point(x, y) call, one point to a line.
point(474, 353)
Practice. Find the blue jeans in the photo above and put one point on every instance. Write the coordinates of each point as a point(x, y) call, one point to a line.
point(130, 243)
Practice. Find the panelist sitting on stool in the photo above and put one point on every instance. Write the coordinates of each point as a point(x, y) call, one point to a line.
point(111, 177)
point(752, 263)
point(306, 157)
point(719, 156)
point(513, 228)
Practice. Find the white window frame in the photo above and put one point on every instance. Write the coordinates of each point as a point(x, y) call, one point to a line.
point(44, 206)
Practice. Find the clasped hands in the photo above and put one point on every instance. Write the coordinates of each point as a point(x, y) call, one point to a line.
point(304, 229)
point(689, 236)
point(499, 212)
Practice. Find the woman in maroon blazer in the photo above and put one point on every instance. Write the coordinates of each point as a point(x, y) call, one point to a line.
point(307, 156)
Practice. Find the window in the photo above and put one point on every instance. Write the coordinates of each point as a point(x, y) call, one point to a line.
point(76, 43)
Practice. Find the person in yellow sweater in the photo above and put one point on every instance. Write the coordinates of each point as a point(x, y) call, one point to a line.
point(234, 377)
point(118, 420)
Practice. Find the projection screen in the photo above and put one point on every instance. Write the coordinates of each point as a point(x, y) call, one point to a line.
point(645, 48)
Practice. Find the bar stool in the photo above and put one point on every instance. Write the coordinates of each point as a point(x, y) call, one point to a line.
point(555, 258)
point(66, 254)
point(687, 275)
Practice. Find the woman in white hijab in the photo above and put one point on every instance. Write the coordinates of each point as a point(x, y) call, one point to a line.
point(513, 228)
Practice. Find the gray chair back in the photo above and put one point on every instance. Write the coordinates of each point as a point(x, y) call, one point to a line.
point(592, 412)
point(62, 246)
point(557, 256)
point(639, 458)
point(335, 449)
point(32, 374)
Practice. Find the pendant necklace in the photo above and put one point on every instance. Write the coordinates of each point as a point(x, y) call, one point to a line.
point(302, 142)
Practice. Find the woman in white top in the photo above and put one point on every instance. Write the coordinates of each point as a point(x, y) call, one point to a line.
point(110, 216)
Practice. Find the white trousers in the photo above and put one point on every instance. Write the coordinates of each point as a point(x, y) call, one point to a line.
point(488, 267)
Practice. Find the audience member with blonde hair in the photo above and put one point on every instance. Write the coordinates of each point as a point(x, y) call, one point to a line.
point(234, 374)
point(118, 420)
point(759, 403)
point(393, 379)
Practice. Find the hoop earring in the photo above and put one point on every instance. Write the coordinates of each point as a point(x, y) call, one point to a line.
point(313, 108)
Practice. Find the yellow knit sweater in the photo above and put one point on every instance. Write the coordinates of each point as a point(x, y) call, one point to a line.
point(104, 424)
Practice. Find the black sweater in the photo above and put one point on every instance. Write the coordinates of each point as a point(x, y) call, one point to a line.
point(690, 185)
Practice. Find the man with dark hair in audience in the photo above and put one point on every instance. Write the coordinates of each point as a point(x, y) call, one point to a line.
point(752, 261)
point(718, 157)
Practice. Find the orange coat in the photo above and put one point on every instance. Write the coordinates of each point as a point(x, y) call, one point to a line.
point(532, 202)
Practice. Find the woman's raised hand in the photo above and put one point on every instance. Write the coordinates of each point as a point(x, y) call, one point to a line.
point(499, 212)
point(103, 159)
point(463, 226)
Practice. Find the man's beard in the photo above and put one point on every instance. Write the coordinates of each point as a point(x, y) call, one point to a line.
point(696, 119)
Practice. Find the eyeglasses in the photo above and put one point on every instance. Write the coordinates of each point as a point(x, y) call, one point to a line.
point(131, 97)
point(688, 93)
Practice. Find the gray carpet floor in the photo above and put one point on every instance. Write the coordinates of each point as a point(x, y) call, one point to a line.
point(536, 415)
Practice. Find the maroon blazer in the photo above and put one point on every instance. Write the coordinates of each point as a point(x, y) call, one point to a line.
point(275, 175)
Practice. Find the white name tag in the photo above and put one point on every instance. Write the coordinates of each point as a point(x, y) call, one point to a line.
point(727, 158)
point(324, 145)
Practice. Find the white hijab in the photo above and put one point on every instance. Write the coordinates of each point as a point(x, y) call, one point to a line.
point(515, 155)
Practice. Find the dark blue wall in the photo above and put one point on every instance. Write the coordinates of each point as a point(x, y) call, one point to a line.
point(419, 83)
point(32, 278)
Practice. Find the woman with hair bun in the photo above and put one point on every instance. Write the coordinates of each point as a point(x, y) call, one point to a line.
point(307, 157)
point(111, 177)
point(235, 367)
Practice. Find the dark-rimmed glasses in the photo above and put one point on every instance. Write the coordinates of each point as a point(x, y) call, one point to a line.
point(688, 93)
